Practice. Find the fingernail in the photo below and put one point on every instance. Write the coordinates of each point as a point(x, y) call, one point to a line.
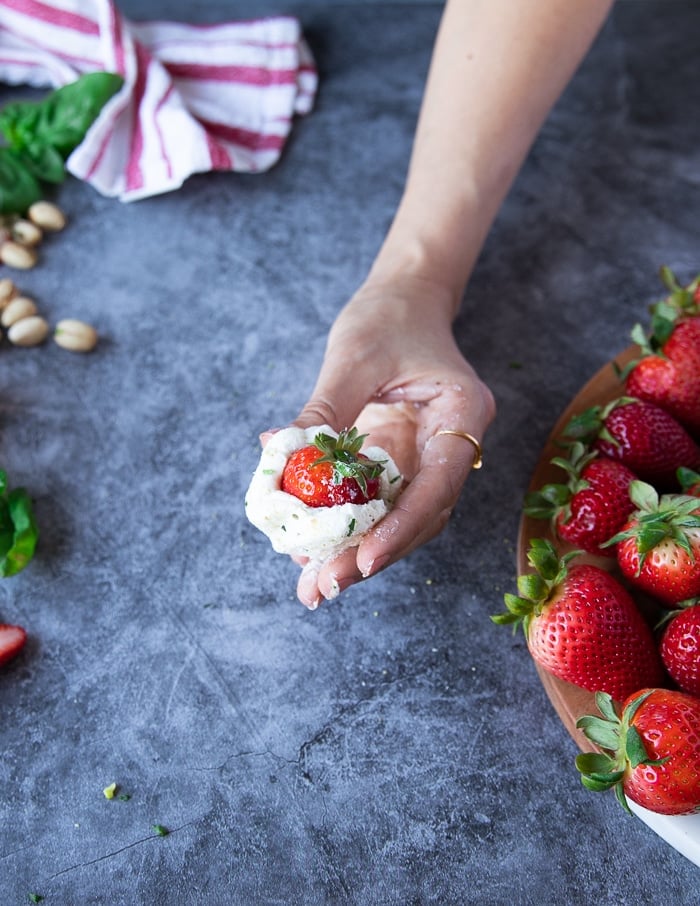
point(334, 590)
point(337, 585)
point(375, 565)
point(312, 605)
point(264, 436)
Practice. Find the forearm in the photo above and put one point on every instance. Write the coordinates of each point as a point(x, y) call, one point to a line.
point(497, 69)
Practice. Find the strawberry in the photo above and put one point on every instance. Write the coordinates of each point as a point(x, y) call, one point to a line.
point(642, 435)
point(332, 471)
point(689, 481)
point(668, 373)
point(651, 752)
point(591, 506)
point(680, 646)
point(658, 548)
point(668, 370)
point(12, 639)
point(582, 625)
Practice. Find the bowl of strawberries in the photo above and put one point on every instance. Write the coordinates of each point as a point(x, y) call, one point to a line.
point(608, 588)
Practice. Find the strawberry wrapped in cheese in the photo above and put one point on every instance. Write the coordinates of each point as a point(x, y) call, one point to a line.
point(314, 493)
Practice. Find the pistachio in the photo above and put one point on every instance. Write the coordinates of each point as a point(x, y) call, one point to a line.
point(18, 308)
point(47, 216)
point(75, 335)
point(28, 331)
point(8, 291)
point(26, 233)
point(15, 255)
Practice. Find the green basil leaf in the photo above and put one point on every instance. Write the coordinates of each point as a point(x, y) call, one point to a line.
point(18, 530)
point(25, 535)
point(7, 529)
point(19, 187)
point(18, 122)
point(62, 119)
point(45, 162)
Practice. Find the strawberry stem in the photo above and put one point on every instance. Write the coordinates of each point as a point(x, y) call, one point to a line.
point(343, 452)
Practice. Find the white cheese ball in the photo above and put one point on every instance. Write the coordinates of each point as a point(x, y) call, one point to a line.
point(314, 532)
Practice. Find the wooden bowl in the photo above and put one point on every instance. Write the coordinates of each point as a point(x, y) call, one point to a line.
point(569, 701)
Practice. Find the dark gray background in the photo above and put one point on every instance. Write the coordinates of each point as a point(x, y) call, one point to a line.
point(394, 747)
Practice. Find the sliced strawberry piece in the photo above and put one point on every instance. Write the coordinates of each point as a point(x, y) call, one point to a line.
point(12, 639)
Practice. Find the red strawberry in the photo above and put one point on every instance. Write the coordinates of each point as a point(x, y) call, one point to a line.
point(652, 751)
point(332, 471)
point(689, 481)
point(680, 647)
point(658, 549)
point(582, 625)
point(12, 639)
point(668, 373)
point(592, 506)
point(642, 435)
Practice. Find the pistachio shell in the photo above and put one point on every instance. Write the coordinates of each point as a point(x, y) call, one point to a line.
point(26, 233)
point(28, 331)
point(15, 255)
point(47, 216)
point(75, 335)
point(20, 307)
point(8, 291)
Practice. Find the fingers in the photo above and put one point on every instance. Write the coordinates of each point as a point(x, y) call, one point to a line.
point(423, 508)
point(317, 583)
point(420, 514)
point(335, 400)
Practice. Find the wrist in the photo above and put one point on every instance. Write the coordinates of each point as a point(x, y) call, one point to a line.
point(435, 240)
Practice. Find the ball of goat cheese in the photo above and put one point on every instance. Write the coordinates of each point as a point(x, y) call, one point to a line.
point(314, 532)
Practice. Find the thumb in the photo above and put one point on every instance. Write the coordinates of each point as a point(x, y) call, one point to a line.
point(340, 394)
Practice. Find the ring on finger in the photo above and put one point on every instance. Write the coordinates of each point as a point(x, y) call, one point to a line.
point(478, 454)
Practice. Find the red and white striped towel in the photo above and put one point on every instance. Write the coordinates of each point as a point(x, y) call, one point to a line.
point(195, 98)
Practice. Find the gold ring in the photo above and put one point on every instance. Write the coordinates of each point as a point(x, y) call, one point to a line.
point(478, 457)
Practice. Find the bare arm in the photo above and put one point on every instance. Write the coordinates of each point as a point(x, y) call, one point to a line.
point(392, 366)
point(497, 69)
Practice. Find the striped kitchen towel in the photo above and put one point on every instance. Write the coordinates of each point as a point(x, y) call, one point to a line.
point(195, 97)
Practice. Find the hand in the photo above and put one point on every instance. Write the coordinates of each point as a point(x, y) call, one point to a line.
point(392, 368)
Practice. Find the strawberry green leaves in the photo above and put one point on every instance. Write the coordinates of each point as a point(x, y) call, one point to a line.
point(40, 135)
point(659, 518)
point(535, 588)
point(624, 746)
point(18, 529)
point(343, 454)
point(651, 752)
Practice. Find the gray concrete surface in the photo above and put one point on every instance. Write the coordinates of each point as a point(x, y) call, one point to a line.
point(394, 747)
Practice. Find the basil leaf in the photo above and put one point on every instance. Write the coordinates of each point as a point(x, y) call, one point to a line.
point(19, 187)
point(18, 530)
point(44, 162)
point(62, 119)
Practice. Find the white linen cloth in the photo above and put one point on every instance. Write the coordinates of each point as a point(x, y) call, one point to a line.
point(195, 97)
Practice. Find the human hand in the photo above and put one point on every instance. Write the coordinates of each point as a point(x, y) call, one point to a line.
point(393, 369)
